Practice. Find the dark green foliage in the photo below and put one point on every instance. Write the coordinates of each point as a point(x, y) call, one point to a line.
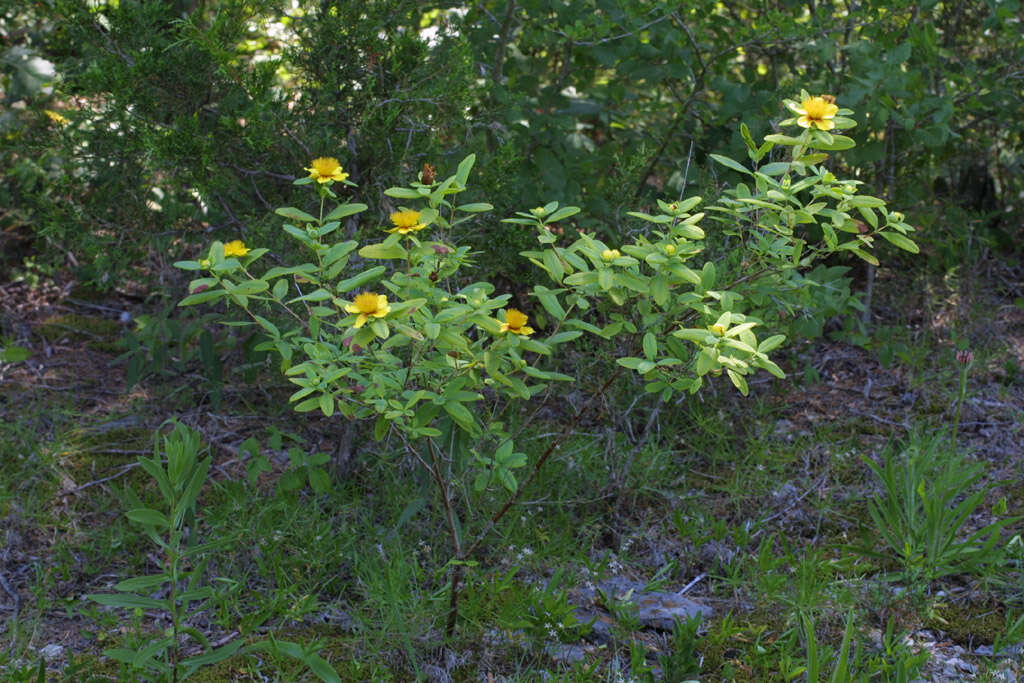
point(189, 119)
point(187, 124)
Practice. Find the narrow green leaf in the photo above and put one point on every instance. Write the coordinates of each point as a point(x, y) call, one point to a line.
point(475, 207)
point(127, 600)
point(295, 214)
point(465, 166)
point(729, 163)
point(361, 279)
point(383, 251)
point(203, 297)
point(901, 241)
point(738, 381)
point(142, 583)
point(149, 517)
point(562, 214)
point(345, 210)
point(402, 193)
point(650, 344)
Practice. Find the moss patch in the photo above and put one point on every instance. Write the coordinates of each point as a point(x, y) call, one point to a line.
point(98, 334)
point(968, 624)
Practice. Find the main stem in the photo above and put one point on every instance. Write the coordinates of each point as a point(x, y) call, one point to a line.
point(458, 570)
point(961, 395)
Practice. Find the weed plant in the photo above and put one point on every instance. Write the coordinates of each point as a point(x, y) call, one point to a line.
point(928, 495)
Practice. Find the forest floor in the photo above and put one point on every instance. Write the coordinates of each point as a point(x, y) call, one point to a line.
point(757, 508)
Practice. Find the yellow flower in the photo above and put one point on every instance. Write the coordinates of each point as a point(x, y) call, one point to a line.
point(406, 221)
point(515, 322)
point(235, 248)
point(326, 169)
point(817, 112)
point(368, 305)
point(610, 254)
point(56, 117)
point(205, 263)
point(718, 329)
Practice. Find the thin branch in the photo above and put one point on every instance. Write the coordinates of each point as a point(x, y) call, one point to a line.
point(569, 429)
point(592, 43)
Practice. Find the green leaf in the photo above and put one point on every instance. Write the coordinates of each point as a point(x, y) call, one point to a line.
point(901, 241)
point(213, 656)
point(465, 166)
point(345, 210)
point(770, 367)
point(738, 381)
point(748, 138)
point(403, 193)
point(128, 601)
point(839, 142)
point(319, 480)
point(203, 297)
point(326, 404)
point(866, 201)
point(380, 428)
point(706, 360)
point(553, 265)
point(659, 289)
point(864, 255)
point(782, 140)
point(14, 354)
point(775, 168)
point(142, 583)
point(562, 337)
point(476, 207)
point(650, 218)
point(771, 343)
point(549, 301)
point(650, 345)
point(361, 279)
point(708, 275)
point(149, 517)
point(729, 163)
point(322, 668)
point(562, 214)
point(320, 294)
point(295, 214)
point(383, 251)
point(247, 288)
point(462, 416)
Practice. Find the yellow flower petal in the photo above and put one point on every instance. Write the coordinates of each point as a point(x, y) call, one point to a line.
point(406, 221)
point(515, 322)
point(368, 305)
point(818, 112)
point(235, 248)
point(57, 117)
point(326, 170)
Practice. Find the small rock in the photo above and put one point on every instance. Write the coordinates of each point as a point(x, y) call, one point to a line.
point(51, 652)
point(654, 609)
point(600, 629)
point(661, 610)
point(565, 653)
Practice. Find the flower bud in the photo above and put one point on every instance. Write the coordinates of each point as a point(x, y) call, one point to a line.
point(610, 254)
point(670, 249)
point(965, 357)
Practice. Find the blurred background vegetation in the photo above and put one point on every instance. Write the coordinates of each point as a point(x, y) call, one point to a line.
point(133, 132)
